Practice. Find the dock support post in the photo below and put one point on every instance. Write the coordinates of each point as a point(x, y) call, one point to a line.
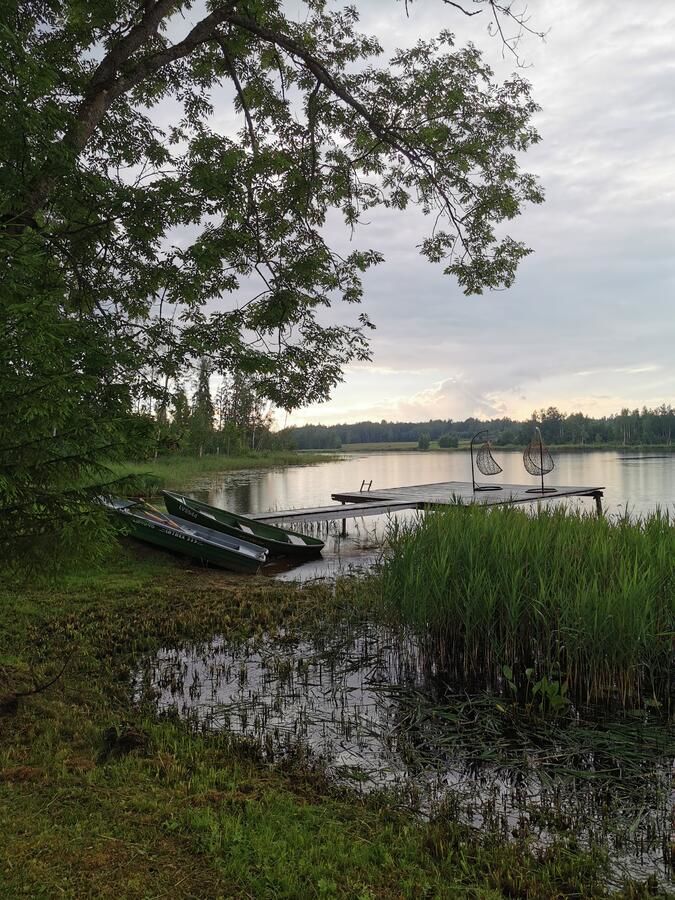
point(343, 532)
point(598, 503)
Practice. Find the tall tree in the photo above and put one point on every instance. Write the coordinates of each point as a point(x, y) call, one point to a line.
point(242, 411)
point(65, 412)
point(93, 188)
point(202, 412)
point(181, 412)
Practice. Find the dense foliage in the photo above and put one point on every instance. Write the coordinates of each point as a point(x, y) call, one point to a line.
point(630, 428)
point(65, 412)
point(141, 230)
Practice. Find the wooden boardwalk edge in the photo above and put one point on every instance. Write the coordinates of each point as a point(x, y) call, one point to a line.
point(356, 504)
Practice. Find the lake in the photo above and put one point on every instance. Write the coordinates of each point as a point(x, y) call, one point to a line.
point(637, 482)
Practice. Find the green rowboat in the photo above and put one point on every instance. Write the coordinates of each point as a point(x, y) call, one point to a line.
point(187, 538)
point(279, 541)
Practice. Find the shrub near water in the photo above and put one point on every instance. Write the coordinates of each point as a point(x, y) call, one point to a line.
point(560, 596)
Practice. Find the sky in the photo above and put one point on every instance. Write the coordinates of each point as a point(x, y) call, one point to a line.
point(589, 324)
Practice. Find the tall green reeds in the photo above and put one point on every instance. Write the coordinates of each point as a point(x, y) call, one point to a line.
point(569, 597)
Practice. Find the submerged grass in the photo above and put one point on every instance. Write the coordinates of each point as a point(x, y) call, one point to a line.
point(352, 695)
point(522, 602)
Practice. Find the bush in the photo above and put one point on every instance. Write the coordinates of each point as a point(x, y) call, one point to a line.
point(448, 440)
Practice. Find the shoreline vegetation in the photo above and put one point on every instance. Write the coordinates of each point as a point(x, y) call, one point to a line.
point(563, 600)
point(649, 449)
point(627, 428)
point(177, 470)
point(101, 796)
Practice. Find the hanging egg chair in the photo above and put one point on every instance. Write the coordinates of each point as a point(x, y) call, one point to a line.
point(538, 461)
point(485, 463)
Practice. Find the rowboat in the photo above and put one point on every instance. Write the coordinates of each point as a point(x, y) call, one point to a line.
point(187, 538)
point(279, 541)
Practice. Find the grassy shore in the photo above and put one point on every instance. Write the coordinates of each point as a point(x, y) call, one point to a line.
point(177, 471)
point(384, 445)
point(99, 797)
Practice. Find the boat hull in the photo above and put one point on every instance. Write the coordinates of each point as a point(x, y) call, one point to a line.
point(278, 541)
point(192, 541)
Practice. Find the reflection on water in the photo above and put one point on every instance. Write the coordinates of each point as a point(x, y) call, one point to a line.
point(637, 482)
point(361, 699)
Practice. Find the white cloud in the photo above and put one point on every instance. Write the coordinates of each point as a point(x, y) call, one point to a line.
point(589, 323)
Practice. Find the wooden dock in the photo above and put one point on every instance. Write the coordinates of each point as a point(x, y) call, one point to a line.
point(330, 513)
point(356, 504)
point(447, 493)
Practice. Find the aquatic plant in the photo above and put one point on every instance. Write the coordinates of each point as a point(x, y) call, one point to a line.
point(347, 699)
point(577, 600)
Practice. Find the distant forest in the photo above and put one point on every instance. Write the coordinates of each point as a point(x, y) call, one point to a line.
point(628, 428)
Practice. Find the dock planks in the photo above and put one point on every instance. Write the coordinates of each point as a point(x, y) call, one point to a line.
point(330, 513)
point(356, 504)
point(446, 493)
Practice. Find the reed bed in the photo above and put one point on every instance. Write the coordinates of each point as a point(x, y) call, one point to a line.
point(559, 602)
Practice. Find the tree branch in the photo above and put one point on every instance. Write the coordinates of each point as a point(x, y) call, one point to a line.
point(388, 135)
point(120, 52)
point(105, 86)
point(240, 92)
point(448, 3)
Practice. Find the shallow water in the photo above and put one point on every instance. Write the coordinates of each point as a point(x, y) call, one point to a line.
point(638, 485)
point(362, 700)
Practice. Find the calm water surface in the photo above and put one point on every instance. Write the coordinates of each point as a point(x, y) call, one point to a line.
point(635, 482)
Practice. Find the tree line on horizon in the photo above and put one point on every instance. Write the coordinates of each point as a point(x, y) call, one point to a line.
point(629, 428)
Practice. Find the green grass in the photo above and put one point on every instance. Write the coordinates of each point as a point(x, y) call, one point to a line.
point(178, 471)
point(574, 599)
point(192, 818)
point(197, 815)
point(395, 445)
point(384, 445)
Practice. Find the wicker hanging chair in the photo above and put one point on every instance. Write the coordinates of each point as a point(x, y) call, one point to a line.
point(485, 463)
point(538, 461)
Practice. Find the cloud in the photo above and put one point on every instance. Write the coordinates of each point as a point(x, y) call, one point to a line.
point(594, 305)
